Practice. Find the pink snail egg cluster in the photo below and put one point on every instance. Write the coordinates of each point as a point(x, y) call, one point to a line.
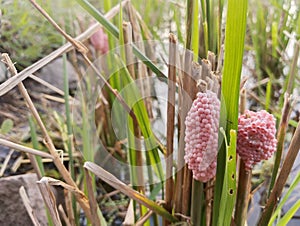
point(100, 41)
point(201, 136)
point(256, 137)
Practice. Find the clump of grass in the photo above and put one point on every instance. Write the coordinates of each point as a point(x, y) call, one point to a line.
point(212, 201)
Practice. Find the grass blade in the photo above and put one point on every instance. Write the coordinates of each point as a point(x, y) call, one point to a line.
point(234, 49)
point(285, 198)
point(195, 25)
point(229, 184)
point(289, 214)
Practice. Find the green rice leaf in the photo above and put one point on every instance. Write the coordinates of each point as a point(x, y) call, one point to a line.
point(234, 49)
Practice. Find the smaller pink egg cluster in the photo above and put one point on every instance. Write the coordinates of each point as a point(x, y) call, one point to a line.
point(100, 41)
point(256, 137)
point(201, 136)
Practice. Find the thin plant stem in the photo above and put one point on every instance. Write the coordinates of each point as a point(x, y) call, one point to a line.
point(170, 121)
point(293, 69)
point(189, 86)
point(35, 165)
point(69, 128)
point(78, 45)
point(282, 178)
point(92, 201)
point(196, 206)
point(286, 111)
point(244, 180)
point(22, 148)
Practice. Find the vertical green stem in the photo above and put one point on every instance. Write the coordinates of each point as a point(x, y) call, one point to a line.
point(69, 129)
point(286, 110)
point(234, 49)
point(35, 145)
point(197, 200)
point(68, 116)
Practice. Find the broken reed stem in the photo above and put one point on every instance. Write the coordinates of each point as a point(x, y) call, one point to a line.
point(82, 200)
point(127, 31)
point(22, 148)
point(244, 180)
point(170, 121)
point(35, 165)
point(138, 39)
point(64, 215)
point(6, 161)
point(282, 178)
point(242, 200)
point(69, 208)
point(144, 218)
point(49, 200)
point(190, 87)
point(286, 111)
point(92, 201)
point(29, 209)
point(183, 176)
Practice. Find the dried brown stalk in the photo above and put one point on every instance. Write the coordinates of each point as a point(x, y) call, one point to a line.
point(190, 87)
point(285, 115)
point(29, 209)
point(50, 201)
point(244, 180)
point(129, 218)
point(63, 215)
point(6, 161)
point(69, 209)
point(93, 203)
point(35, 166)
point(171, 121)
point(144, 218)
point(142, 72)
point(22, 148)
point(243, 195)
